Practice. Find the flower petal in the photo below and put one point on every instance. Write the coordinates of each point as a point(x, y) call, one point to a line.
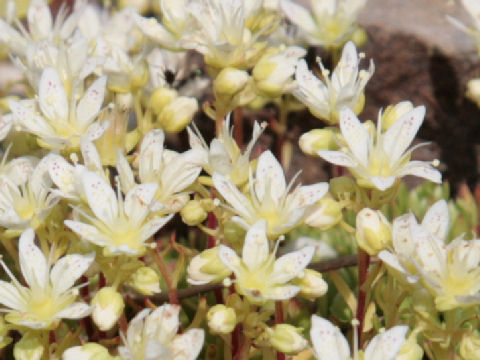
point(298, 15)
point(163, 323)
point(11, 297)
point(233, 196)
point(52, 97)
point(403, 243)
point(95, 130)
point(76, 310)
point(153, 225)
point(88, 232)
point(90, 104)
point(68, 269)
point(100, 196)
point(281, 292)
point(269, 177)
point(387, 345)
point(337, 157)
point(306, 195)
point(421, 169)
point(437, 220)
point(188, 345)
point(255, 248)
point(62, 174)
point(291, 265)
point(355, 135)
point(382, 183)
point(327, 340)
point(151, 154)
point(138, 201)
point(32, 261)
point(229, 257)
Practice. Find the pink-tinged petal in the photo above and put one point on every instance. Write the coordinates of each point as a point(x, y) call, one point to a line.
point(233, 196)
point(152, 29)
point(421, 169)
point(26, 116)
point(18, 170)
point(430, 250)
point(269, 177)
point(153, 225)
point(162, 324)
point(345, 74)
point(391, 261)
point(95, 131)
point(90, 155)
point(255, 248)
point(311, 90)
point(68, 269)
point(403, 243)
point(138, 202)
point(281, 292)
point(151, 153)
point(39, 19)
point(90, 104)
point(437, 220)
point(62, 174)
point(327, 340)
point(125, 173)
point(383, 183)
point(88, 232)
point(229, 257)
point(306, 195)
point(188, 345)
point(289, 266)
point(355, 135)
point(75, 310)
point(218, 156)
point(6, 123)
point(52, 96)
point(180, 172)
point(298, 15)
point(387, 345)
point(11, 297)
point(401, 134)
point(32, 261)
point(100, 196)
point(337, 157)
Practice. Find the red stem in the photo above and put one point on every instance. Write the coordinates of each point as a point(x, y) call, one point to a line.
point(238, 126)
point(363, 263)
point(279, 319)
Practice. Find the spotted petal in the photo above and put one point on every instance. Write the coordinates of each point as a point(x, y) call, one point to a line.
point(138, 202)
point(291, 265)
point(89, 105)
point(100, 196)
point(229, 257)
point(269, 177)
point(328, 342)
point(32, 261)
point(68, 269)
point(188, 345)
point(355, 135)
point(437, 219)
point(233, 196)
point(52, 96)
point(298, 15)
point(76, 310)
point(255, 248)
point(386, 346)
point(337, 157)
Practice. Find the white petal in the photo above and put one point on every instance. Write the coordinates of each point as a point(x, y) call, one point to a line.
point(88, 232)
point(306, 195)
point(391, 260)
point(68, 269)
point(229, 257)
point(298, 15)
point(233, 196)
point(328, 342)
point(421, 169)
point(181, 172)
point(153, 225)
point(400, 135)
point(135, 327)
point(19, 169)
point(75, 310)
point(6, 123)
point(311, 90)
point(90, 104)
point(90, 155)
point(219, 158)
point(52, 96)
point(100, 196)
point(188, 345)
point(125, 173)
point(269, 177)
point(32, 261)
point(403, 243)
point(163, 323)
point(26, 116)
point(387, 345)
point(40, 20)
point(138, 201)
point(437, 219)
point(11, 297)
point(96, 130)
point(255, 248)
point(355, 135)
point(337, 157)
point(429, 250)
point(62, 174)
point(382, 183)
point(281, 292)
point(151, 28)
point(151, 154)
point(346, 71)
point(291, 265)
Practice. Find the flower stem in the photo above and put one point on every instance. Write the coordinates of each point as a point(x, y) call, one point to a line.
point(172, 291)
point(363, 263)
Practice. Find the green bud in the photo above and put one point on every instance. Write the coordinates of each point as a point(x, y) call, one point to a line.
point(343, 187)
point(28, 348)
point(193, 213)
point(178, 114)
point(160, 98)
point(470, 347)
point(318, 139)
point(207, 267)
point(230, 82)
point(89, 351)
point(325, 214)
point(145, 280)
point(373, 231)
point(287, 339)
point(311, 283)
point(221, 319)
point(107, 305)
point(393, 112)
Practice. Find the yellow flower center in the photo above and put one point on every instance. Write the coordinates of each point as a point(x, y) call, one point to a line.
point(24, 208)
point(44, 307)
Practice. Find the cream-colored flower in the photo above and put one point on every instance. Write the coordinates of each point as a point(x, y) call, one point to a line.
point(120, 226)
point(269, 197)
point(258, 274)
point(53, 119)
point(330, 344)
point(331, 22)
point(224, 156)
point(50, 295)
point(172, 172)
point(344, 87)
point(152, 335)
point(473, 9)
point(378, 161)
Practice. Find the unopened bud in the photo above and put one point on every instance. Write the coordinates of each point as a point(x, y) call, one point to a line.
point(410, 349)
point(107, 305)
point(139, 75)
point(342, 187)
point(393, 112)
point(193, 213)
point(89, 351)
point(178, 114)
point(318, 139)
point(373, 231)
point(207, 267)
point(221, 319)
point(311, 284)
point(229, 82)
point(160, 98)
point(28, 348)
point(473, 91)
point(470, 347)
point(145, 280)
point(287, 339)
point(325, 214)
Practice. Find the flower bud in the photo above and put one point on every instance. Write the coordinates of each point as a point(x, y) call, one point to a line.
point(343, 187)
point(145, 280)
point(410, 349)
point(193, 213)
point(221, 319)
point(311, 284)
point(359, 37)
point(318, 139)
point(28, 348)
point(107, 307)
point(470, 347)
point(139, 75)
point(393, 112)
point(373, 231)
point(89, 351)
point(124, 101)
point(325, 214)
point(160, 98)
point(177, 115)
point(473, 91)
point(287, 339)
point(207, 267)
point(229, 82)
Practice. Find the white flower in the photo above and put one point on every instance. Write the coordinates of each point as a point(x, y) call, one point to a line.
point(152, 335)
point(343, 88)
point(53, 119)
point(173, 173)
point(26, 198)
point(50, 295)
point(258, 275)
point(329, 343)
point(224, 156)
point(378, 161)
point(473, 9)
point(88, 351)
point(332, 23)
point(269, 197)
point(420, 253)
point(119, 226)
